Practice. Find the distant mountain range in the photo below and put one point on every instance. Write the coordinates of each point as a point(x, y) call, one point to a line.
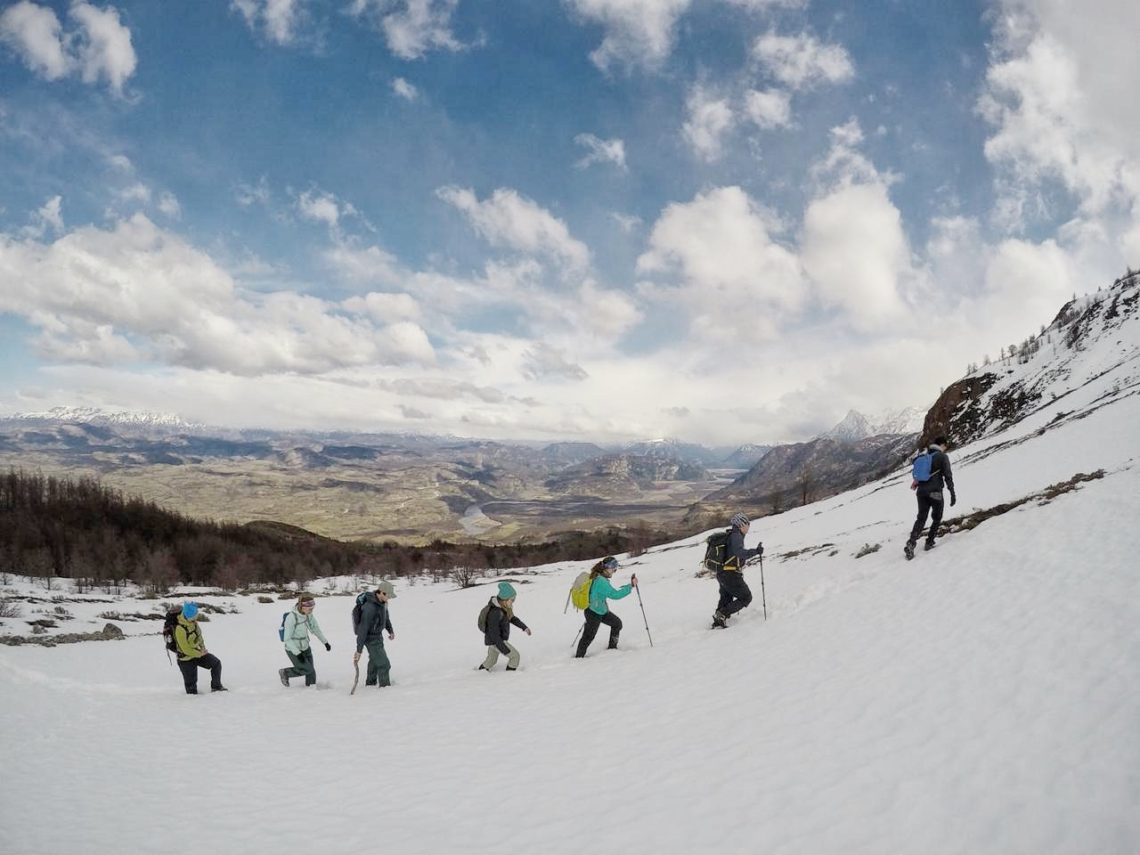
point(856, 426)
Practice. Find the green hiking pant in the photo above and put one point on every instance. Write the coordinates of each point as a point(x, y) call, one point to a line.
point(378, 664)
point(493, 656)
point(302, 666)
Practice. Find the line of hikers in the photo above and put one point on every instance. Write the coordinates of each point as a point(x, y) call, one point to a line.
point(592, 591)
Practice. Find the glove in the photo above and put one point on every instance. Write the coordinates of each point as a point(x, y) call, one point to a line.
point(953, 499)
point(759, 550)
point(328, 646)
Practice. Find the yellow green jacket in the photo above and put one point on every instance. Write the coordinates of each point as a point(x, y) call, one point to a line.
point(188, 638)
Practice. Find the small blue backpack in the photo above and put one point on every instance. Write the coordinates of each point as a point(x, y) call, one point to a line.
point(920, 471)
point(281, 632)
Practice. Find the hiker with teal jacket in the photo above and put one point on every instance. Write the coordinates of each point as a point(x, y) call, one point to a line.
point(598, 612)
point(295, 631)
point(192, 653)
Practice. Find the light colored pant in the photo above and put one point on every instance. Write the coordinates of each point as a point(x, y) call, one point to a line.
point(493, 656)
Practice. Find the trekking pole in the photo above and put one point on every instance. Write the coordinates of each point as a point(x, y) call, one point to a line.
point(640, 603)
point(763, 596)
point(579, 632)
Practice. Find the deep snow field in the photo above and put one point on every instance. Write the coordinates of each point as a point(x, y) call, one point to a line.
point(982, 698)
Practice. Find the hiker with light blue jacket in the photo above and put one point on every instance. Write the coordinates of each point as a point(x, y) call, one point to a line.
point(295, 631)
point(598, 612)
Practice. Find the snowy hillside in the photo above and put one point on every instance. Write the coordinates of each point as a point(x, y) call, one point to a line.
point(979, 699)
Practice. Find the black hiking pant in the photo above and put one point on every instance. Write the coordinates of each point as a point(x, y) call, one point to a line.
point(734, 592)
point(593, 621)
point(189, 669)
point(928, 503)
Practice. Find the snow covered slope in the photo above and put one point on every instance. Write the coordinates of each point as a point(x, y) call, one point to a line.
point(979, 699)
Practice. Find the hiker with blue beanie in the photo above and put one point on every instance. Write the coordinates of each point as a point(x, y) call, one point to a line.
point(598, 611)
point(192, 653)
point(500, 614)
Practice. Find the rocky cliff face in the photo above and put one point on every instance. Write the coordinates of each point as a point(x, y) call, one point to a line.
point(1090, 336)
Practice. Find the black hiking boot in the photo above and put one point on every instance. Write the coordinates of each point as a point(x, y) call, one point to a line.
point(908, 550)
point(509, 668)
point(218, 689)
point(283, 678)
point(929, 545)
point(719, 621)
point(481, 668)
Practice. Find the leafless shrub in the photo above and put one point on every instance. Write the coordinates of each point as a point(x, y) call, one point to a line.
point(10, 609)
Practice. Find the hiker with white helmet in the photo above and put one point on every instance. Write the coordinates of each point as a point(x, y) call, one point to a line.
point(496, 620)
point(598, 612)
point(734, 591)
point(295, 633)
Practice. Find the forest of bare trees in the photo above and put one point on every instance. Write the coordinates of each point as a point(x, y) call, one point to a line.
point(80, 529)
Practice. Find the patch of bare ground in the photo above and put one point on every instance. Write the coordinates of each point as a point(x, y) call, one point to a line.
point(971, 521)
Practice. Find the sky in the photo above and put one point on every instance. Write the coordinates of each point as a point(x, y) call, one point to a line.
point(978, 699)
point(725, 221)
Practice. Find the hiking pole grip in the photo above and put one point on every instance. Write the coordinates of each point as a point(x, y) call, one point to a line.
point(643, 617)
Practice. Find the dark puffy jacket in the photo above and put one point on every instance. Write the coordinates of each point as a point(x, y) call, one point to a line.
point(499, 626)
point(374, 620)
point(735, 554)
point(940, 475)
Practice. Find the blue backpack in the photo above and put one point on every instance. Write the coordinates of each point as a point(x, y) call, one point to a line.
point(281, 632)
point(920, 471)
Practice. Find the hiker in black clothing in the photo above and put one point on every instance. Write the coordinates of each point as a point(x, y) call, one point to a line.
point(374, 621)
point(734, 591)
point(929, 495)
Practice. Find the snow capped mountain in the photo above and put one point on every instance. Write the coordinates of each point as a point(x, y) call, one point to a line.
point(96, 416)
point(856, 426)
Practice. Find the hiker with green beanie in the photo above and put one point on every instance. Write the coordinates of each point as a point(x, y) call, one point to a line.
point(598, 612)
point(298, 624)
point(500, 616)
point(374, 621)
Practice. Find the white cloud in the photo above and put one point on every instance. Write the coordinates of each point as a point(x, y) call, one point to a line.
point(600, 151)
point(637, 32)
point(770, 108)
point(801, 61)
point(35, 34)
point(250, 194)
point(735, 280)
point(626, 222)
point(137, 291)
point(168, 204)
point(710, 118)
point(97, 47)
point(48, 217)
point(371, 264)
point(515, 222)
point(405, 89)
point(854, 247)
point(278, 20)
point(104, 48)
point(411, 28)
point(320, 207)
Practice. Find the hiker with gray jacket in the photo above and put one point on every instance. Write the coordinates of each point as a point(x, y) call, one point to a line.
point(500, 615)
point(374, 621)
point(298, 624)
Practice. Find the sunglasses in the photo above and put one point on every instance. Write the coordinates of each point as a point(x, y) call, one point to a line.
point(308, 605)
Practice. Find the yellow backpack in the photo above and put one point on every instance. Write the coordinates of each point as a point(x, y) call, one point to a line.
point(580, 591)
